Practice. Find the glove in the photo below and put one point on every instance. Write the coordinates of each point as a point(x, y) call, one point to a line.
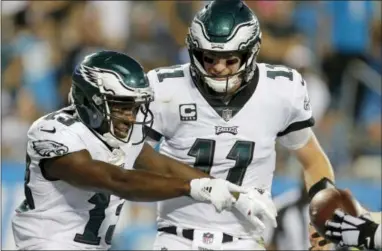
point(257, 206)
point(217, 191)
point(347, 230)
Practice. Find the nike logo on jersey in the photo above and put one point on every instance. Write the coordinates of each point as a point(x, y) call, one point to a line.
point(49, 131)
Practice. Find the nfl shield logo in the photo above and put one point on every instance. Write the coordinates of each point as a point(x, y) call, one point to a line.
point(227, 114)
point(208, 238)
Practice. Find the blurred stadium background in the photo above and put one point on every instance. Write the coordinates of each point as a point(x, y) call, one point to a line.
point(336, 45)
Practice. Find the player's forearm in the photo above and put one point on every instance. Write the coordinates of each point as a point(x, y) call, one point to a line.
point(153, 161)
point(178, 169)
point(135, 185)
point(317, 169)
point(140, 185)
point(315, 163)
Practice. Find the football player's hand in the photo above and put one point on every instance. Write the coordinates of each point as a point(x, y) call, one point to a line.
point(347, 230)
point(217, 191)
point(257, 206)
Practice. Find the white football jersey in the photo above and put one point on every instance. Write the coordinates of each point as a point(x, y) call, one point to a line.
point(235, 142)
point(55, 210)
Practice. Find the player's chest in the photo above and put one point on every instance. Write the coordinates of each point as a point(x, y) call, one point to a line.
point(255, 119)
point(204, 136)
point(99, 151)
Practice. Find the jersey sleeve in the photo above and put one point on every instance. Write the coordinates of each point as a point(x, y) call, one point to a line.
point(48, 140)
point(156, 131)
point(300, 115)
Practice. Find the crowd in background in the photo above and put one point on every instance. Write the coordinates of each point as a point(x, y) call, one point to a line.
point(328, 42)
point(336, 45)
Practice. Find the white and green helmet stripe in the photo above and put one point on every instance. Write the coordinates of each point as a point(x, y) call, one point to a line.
point(240, 38)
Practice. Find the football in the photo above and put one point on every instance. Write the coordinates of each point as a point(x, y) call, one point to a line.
point(325, 202)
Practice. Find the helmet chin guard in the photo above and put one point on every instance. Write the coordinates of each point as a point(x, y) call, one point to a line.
point(224, 85)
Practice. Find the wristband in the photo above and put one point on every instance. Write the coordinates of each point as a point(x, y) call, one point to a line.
point(321, 185)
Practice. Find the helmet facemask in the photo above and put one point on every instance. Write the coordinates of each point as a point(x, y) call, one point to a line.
point(121, 114)
point(222, 88)
point(114, 117)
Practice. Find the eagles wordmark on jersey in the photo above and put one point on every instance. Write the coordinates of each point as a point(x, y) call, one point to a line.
point(234, 141)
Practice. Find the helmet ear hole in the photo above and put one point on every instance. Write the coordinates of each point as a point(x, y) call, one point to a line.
point(90, 114)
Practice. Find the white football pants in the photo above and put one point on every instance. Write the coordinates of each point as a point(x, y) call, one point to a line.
point(51, 245)
point(167, 241)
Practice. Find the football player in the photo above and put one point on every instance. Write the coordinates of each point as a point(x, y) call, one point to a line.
point(222, 113)
point(76, 178)
point(359, 232)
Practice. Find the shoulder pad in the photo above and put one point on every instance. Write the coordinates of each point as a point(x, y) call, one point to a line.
point(280, 73)
point(166, 73)
point(55, 121)
point(168, 81)
point(49, 138)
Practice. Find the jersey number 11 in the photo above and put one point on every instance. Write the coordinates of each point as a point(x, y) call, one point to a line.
point(242, 152)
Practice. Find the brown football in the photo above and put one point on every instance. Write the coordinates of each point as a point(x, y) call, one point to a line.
point(325, 202)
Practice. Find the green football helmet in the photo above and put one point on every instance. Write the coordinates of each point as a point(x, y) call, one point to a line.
point(224, 27)
point(107, 83)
